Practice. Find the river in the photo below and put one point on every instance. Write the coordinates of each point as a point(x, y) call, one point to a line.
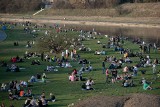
point(149, 35)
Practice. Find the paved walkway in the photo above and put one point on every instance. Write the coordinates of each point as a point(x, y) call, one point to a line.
point(3, 36)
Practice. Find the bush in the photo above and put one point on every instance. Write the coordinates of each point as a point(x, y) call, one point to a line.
point(62, 5)
point(14, 6)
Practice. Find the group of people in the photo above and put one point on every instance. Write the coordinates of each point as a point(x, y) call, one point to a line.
point(41, 101)
point(128, 71)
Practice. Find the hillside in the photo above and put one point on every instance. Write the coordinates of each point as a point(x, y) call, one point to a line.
point(124, 10)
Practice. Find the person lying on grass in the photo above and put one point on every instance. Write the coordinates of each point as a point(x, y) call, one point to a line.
point(146, 86)
point(13, 68)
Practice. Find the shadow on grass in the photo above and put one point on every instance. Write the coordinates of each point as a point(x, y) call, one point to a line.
point(57, 105)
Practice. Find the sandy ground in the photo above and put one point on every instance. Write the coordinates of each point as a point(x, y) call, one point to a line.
point(94, 20)
point(134, 100)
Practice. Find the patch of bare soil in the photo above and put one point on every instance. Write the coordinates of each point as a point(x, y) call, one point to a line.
point(134, 100)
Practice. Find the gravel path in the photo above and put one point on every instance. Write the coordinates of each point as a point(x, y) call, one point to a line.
point(3, 36)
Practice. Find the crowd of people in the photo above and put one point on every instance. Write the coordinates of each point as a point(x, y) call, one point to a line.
point(116, 72)
point(120, 70)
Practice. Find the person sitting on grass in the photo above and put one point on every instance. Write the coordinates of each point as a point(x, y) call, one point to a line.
point(125, 83)
point(44, 75)
point(52, 98)
point(22, 93)
point(103, 52)
point(33, 102)
point(43, 79)
point(128, 82)
point(27, 102)
point(33, 79)
point(89, 84)
point(127, 60)
point(3, 87)
point(38, 76)
point(72, 77)
point(35, 62)
point(50, 68)
point(90, 68)
point(23, 83)
point(135, 70)
point(74, 72)
point(12, 97)
point(97, 52)
point(28, 93)
point(68, 65)
point(13, 59)
point(98, 42)
point(44, 102)
point(2, 105)
point(125, 69)
point(3, 64)
point(13, 68)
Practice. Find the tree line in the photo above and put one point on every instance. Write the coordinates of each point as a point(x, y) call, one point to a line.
point(14, 6)
point(61, 4)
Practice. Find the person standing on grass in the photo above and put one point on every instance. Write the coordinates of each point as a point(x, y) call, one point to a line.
point(103, 67)
point(62, 55)
point(154, 48)
point(42, 56)
point(107, 76)
point(67, 53)
point(154, 70)
point(114, 75)
point(72, 55)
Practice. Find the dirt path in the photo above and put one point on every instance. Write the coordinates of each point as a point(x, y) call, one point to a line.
point(73, 21)
point(133, 100)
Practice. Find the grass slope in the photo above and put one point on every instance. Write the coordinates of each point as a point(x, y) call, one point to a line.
point(66, 92)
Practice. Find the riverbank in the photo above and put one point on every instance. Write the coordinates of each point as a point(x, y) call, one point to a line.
point(145, 28)
point(149, 22)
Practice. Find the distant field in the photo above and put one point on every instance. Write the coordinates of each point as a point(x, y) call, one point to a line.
point(124, 10)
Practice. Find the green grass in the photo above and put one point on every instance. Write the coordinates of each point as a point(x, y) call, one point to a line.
point(66, 92)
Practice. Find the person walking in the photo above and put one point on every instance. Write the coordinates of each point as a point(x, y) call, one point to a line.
point(103, 67)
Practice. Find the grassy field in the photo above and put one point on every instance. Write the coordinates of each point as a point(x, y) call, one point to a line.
point(66, 92)
point(124, 10)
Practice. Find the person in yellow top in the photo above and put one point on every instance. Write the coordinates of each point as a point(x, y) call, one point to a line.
point(125, 55)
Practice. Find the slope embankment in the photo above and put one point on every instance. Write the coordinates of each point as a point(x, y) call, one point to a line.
point(134, 100)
